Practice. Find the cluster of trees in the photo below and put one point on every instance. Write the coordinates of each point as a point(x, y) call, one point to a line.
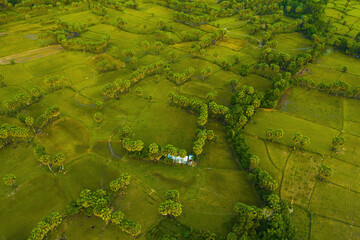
point(54, 81)
point(226, 10)
point(324, 172)
point(189, 19)
point(97, 203)
point(272, 27)
point(154, 152)
point(51, 114)
point(348, 46)
point(180, 78)
point(121, 183)
point(337, 142)
point(164, 36)
point(11, 133)
point(56, 161)
point(98, 9)
point(217, 110)
point(274, 135)
point(45, 226)
point(280, 82)
point(207, 41)
point(171, 207)
point(339, 88)
point(244, 103)
point(148, 70)
point(202, 135)
point(17, 103)
point(269, 222)
point(300, 139)
point(78, 44)
point(72, 27)
point(263, 182)
point(132, 145)
point(191, 105)
point(106, 65)
point(69, 40)
point(187, 36)
point(113, 90)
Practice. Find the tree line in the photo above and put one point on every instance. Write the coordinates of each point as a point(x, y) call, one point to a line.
point(272, 221)
point(120, 86)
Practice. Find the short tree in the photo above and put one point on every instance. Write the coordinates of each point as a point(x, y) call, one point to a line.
point(325, 172)
point(233, 83)
point(173, 55)
point(172, 195)
point(99, 105)
point(337, 142)
point(170, 208)
point(10, 179)
point(138, 91)
point(98, 117)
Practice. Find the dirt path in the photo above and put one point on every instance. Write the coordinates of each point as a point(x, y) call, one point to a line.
point(32, 54)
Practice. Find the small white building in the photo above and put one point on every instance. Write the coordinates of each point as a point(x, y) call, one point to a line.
point(185, 160)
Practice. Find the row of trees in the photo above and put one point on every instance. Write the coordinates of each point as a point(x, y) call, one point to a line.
point(11, 133)
point(45, 226)
point(211, 39)
point(191, 105)
point(18, 102)
point(154, 152)
point(348, 46)
point(51, 114)
point(271, 222)
point(120, 86)
point(78, 44)
point(274, 135)
point(54, 81)
point(189, 19)
point(56, 161)
point(72, 27)
point(339, 88)
point(180, 78)
point(202, 135)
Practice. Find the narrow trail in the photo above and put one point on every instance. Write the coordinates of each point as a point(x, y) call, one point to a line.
point(32, 54)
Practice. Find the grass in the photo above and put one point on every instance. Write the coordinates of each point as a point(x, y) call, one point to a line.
point(320, 135)
point(324, 108)
point(339, 230)
point(209, 190)
point(338, 203)
point(300, 177)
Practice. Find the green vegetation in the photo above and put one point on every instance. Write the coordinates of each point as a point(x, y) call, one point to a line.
point(247, 110)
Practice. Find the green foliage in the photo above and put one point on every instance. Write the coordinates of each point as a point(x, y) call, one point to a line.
point(121, 183)
point(45, 226)
point(98, 117)
point(9, 179)
point(124, 132)
point(132, 146)
point(172, 195)
point(325, 172)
